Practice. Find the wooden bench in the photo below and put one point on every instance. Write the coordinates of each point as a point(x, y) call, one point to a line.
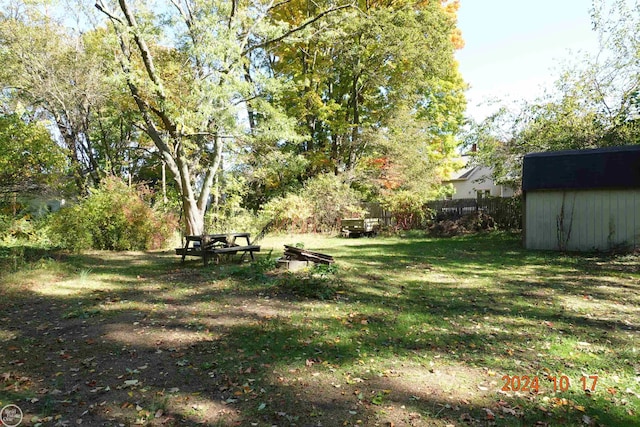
point(216, 245)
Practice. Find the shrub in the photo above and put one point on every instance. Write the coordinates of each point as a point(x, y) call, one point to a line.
point(230, 215)
point(407, 209)
point(23, 230)
point(331, 199)
point(324, 200)
point(288, 213)
point(238, 221)
point(112, 217)
point(23, 240)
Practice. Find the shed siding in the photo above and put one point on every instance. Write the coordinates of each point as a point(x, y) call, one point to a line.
point(597, 219)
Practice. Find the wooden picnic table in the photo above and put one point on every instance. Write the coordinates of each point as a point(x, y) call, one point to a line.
point(215, 245)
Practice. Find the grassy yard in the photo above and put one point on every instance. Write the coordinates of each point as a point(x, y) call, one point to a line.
point(404, 331)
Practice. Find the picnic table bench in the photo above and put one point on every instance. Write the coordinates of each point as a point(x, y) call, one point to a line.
point(215, 245)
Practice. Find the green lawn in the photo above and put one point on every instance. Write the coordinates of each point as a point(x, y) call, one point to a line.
point(404, 331)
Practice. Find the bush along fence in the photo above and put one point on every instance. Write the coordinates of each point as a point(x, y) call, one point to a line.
point(505, 211)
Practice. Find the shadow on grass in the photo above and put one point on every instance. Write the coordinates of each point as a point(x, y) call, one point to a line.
point(222, 345)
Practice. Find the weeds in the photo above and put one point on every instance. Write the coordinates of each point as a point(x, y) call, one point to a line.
point(318, 282)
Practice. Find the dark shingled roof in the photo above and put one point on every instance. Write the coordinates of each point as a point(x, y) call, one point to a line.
point(612, 167)
point(467, 174)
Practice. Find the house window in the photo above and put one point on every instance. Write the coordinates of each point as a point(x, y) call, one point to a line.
point(483, 194)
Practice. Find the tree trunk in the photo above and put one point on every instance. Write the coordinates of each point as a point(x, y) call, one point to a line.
point(194, 217)
point(73, 156)
point(355, 126)
point(161, 126)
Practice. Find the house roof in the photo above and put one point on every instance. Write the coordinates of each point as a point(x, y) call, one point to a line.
point(465, 172)
point(612, 167)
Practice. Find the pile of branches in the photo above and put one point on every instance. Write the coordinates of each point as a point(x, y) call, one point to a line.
point(473, 222)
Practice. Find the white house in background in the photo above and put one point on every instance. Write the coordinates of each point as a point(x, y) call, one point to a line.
point(473, 182)
point(39, 205)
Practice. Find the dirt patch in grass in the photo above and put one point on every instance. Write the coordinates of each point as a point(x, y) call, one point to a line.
point(415, 332)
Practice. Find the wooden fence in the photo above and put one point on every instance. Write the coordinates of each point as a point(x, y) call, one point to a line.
point(506, 211)
point(376, 211)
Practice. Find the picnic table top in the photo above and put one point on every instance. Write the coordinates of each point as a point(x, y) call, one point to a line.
point(217, 236)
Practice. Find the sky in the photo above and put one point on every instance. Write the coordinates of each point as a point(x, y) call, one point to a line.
point(515, 48)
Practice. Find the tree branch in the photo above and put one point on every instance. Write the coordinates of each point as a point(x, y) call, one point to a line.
point(145, 52)
point(296, 29)
point(185, 17)
point(210, 175)
point(278, 5)
point(101, 7)
point(232, 14)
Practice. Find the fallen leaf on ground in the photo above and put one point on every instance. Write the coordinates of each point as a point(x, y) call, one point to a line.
point(490, 414)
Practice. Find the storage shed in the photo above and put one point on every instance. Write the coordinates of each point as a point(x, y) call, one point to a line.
point(582, 200)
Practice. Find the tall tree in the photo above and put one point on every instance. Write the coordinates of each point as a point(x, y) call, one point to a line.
point(29, 159)
point(187, 70)
point(49, 71)
point(366, 70)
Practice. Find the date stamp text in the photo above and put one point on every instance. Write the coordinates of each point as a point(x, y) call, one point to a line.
point(561, 383)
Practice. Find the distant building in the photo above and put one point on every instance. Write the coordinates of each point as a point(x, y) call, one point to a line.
point(40, 206)
point(473, 182)
point(582, 200)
